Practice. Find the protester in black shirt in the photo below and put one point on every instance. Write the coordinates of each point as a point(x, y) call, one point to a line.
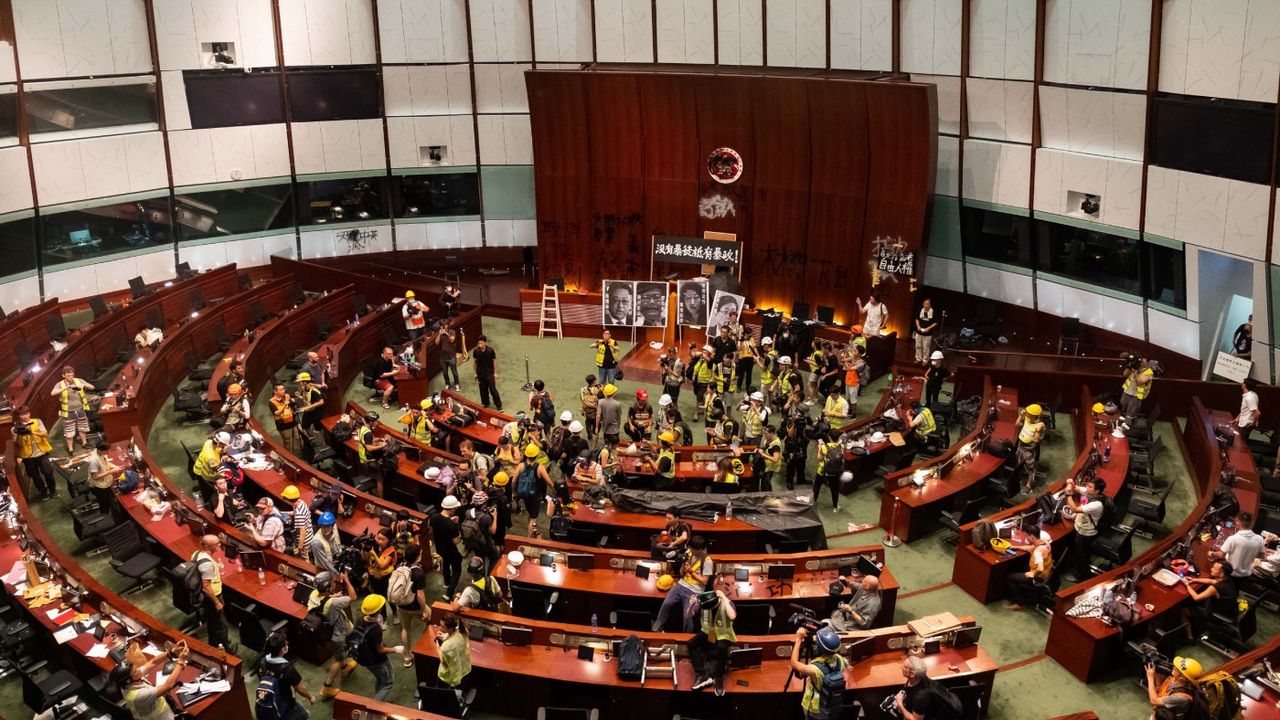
point(1215, 594)
point(444, 536)
point(723, 344)
point(934, 376)
point(290, 680)
point(235, 375)
point(370, 653)
point(923, 698)
point(485, 361)
point(795, 451)
point(449, 299)
point(384, 373)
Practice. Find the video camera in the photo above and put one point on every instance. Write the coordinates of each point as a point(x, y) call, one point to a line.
point(1151, 657)
point(806, 618)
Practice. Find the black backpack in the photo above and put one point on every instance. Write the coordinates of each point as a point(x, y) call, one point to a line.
point(475, 532)
point(273, 697)
point(355, 639)
point(559, 526)
point(631, 658)
point(546, 410)
point(192, 580)
point(830, 688)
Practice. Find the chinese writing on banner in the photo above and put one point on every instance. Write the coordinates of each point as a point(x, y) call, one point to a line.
point(890, 257)
point(696, 251)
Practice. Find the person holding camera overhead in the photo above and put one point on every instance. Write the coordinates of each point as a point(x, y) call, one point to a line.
point(1138, 374)
point(414, 313)
point(824, 682)
point(709, 647)
point(31, 441)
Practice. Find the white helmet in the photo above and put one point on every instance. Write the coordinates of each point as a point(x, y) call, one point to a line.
point(515, 558)
point(664, 401)
point(575, 427)
point(766, 340)
point(432, 472)
point(223, 438)
point(566, 416)
point(757, 396)
point(937, 355)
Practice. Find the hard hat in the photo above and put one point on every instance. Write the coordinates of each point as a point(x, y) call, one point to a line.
point(1097, 408)
point(999, 544)
point(877, 437)
point(857, 329)
point(936, 355)
point(566, 416)
point(737, 466)
point(1189, 667)
point(290, 492)
point(432, 472)
point(846, 476)
point(234, 389)
point(501, 479)
point(1034, 409)
point(665, 581)
point(664, 401)
point(409, 294)
point(372, 604)
point(515, 558)
point(642, 394)
point(326, 518)
point(323, 579)
point(575, 427)
point(304, 377)
point(610, 389)
point(480, 498)
point(766, 340)
point(784, 360)
point(828, 639)
point(223, 438)
point(667, 436)
point(757, 396)
point(531, 451)
point(708, 348)
point(425, 404)
point(450, 502)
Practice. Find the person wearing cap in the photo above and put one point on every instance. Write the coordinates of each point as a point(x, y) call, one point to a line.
point(236, 407)
point(1178, 692)
point(697, 569)
point(1247, 420)
point(370, 652)
point(770, 450)
point(301, 542)
point(607, 357)
point(289, 680)
point(499, 505)
point(754, 418)
point(484, 592)
point(836, 409)
point(418, 424)
point(788, 379)
point(640, 418)
point(485, 362)
point(1030, 433)
point(663, 466)
point(925, 326)
point(590, 394)
point(767, 360)
point(414, 313)
point(703, 375)
point(142, 699)
point(934, 375)
point(668, 417)
point(267, 527)
point(310, 403)
point(609, 413)
point(531, 482)
point(709, 647)
point(445, 532)
point(828, 659)
point(211, 610)
point(672, 372)
point(332, 599)
point(1025, 587)
point(325, 543)
point(861, 610)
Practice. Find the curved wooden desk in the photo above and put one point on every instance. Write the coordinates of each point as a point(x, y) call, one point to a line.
point(982, 572)
point(1087, 647)
point(347, 706)
point(26, 328)
point(898, 396)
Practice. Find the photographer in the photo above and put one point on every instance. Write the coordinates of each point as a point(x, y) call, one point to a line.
point(32, 442)
point(1178, 692)
point(696, 570)
point(709, 647)
point(1138, 374)
point(672, 373)
point(326, 544)
point(702, 374)
point(1088, 513)
point(824, 682)
point(331, 600)
point(414, 313)
point(924, 698)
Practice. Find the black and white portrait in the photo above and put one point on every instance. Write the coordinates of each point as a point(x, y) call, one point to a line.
point(619, 306)
point(691, 302)
point(725, 309)
point(651, 303)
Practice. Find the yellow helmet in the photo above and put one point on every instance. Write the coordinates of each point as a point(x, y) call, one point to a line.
point(531, 451)
point(1034, 409)
point(665, 581)
point(1189, 667)
point(425, 404)
point(610, 389)
point(737, 466)
point(304, 377)
point(1097, 408)
point(501, 479)
point(667, 436)
point(999, 544)
point(290, 493)
point(372, 604)
point(409, 294)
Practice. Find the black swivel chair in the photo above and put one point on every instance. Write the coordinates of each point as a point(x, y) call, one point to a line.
point(1229, 633)
point(530, 603)
point(297, 295)
point(636, 620)
point(55, 327)
point(138, 287)
point(99, 306)
point(439, 700)
point(197, 299)
point(1115, 545)
point(51, 692)
point(129, 556)
point(754, 619)
point(196, 372)
point(1069, 339)
point(954, 519)
point(255, 630)
point(1148, 507)
point(221, 336)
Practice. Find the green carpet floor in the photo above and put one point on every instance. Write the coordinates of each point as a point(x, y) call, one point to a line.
point(1038, 688)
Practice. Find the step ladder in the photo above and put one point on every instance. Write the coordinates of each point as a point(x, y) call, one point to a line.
point(549, 313)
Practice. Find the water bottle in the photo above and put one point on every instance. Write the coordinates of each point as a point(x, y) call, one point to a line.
point(262, 577)
point(595, 627)
point(1106, 453)
point(728, 510)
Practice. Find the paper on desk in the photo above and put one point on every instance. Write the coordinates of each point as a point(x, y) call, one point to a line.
point(206, 687)
point(98, 650)
point(16, 574)
point(151, 649)
point(67, 633)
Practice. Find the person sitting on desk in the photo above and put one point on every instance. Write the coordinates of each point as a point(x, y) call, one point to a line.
point(674, 536)
point(1213, 595)
point(861, 610)
point(385, 368)
point(696, 570)
point(922, 424)
point(1025, 587)
point(709, 647)
point(142, 699)
point(1177, 693)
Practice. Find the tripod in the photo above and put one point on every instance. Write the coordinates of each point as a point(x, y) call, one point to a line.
point(806, 654)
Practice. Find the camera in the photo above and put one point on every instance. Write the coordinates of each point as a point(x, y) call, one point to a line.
point(19, 429)
point(1151, 656)
point(805, 618)
point(890, 706)
point(1131, 361)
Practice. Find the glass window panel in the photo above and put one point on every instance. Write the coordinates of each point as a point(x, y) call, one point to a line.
point(18, 245)
point(218, 213)
point(996, 236)
point(1166, 274)
point(348, 93)
point(8, 115)
point(345, 200)
point(227, 99)
point(92, 232)
point(437, 195)
point(89, 108)
point(1090, 256)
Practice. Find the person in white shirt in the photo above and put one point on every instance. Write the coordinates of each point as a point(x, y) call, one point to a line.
point(1242, 548)
point(876, 312)
point(924, 329)
point(1247, 420)
point(1088, 511)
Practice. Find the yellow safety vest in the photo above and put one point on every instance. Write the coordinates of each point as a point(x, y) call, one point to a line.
point(360, 443)
point(27, 444)
point(613, 348)
point(859, 341)
point(774, 445)
point(717, 626)
point(703, 374)
point(770, 360)
point(215, 584)
point(1027, 434)
point(928, 425)
point(822, 456)
point(689, 578)
point(836, 407)
point(65, 394)
point(160, 707)
point(669, 455)
point(420, 431)
point(729, 479)
point(727, 383)
point(1131, 386)
point(752, 423)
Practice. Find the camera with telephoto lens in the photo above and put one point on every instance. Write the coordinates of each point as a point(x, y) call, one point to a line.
point(1151, 657)
point(1131, 361)
point(805, 618)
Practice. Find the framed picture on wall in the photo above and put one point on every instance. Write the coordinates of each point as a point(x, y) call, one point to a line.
point(651, 303)
point(619, 303)
point(691, 302)
point(725, 309)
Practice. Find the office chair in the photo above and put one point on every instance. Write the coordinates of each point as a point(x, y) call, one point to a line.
point(129, 557)
point(138, 287)
point(99, 306)
point(636, 620)
point(244, 282)
point(1069, 336)
point(191, 405)
point(583, 536)
point(1148, 507)
point(295, 358)
point(359, 304)
point(439, 700)
point(297, 294)
point(22, 351)
point(324, 326)
point(89, 530)
point(937, 442)
point(221, 336)
point(1116, 545)
point(754, 618)
point(257, 313)
point(255, 630)
point(970, 696)
point(953, 519)
point(51, 693)
point(155, 318)
point(197, 299)
point(1229, 633)
point(196, 372)
point(55, 327)
point(530, 603)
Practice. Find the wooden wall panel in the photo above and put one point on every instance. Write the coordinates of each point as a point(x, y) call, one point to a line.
point(830, 163)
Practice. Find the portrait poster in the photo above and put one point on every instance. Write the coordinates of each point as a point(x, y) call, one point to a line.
point(725, 309)
point(651, 303)
point(691, 302)
point(618, 306)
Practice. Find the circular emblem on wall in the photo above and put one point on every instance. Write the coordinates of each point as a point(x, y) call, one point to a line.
point(724, 165)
